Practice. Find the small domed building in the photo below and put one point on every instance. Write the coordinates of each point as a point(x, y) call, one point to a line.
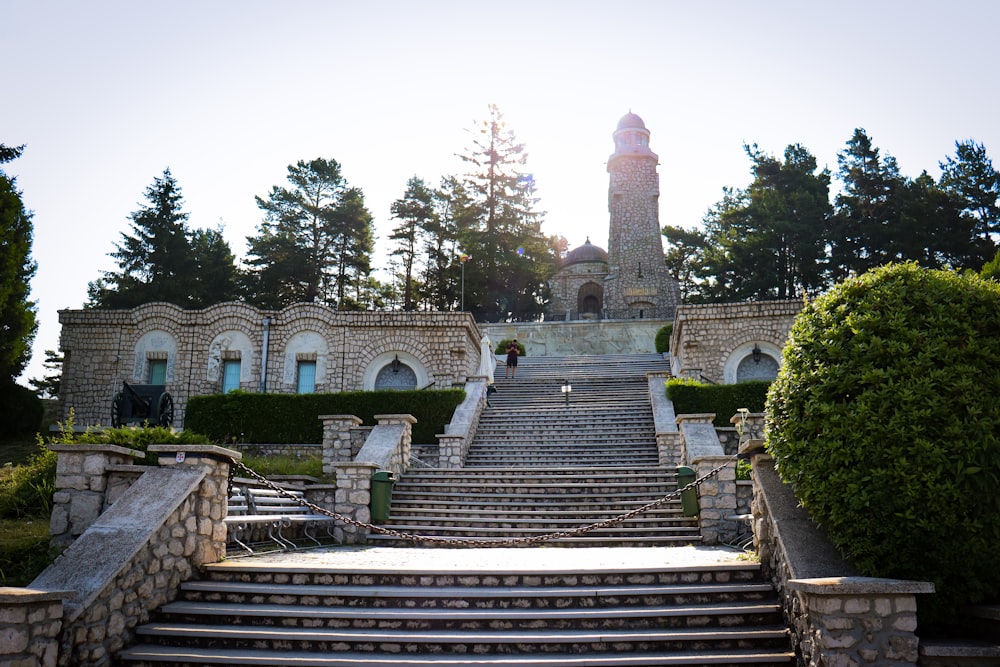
point(578, 288)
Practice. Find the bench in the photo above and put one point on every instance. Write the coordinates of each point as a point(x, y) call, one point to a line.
point(254, 510)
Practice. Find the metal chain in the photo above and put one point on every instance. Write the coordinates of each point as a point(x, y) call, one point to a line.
point(470, 542)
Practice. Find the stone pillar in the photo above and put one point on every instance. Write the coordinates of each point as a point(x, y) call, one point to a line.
point(81, 486)
point(668, 445)
point(442, 381)
point(716, 498)
point(861, 620)
point(353, 498)
point(337, 446)
point(30, 623)
point(400, 460)
point(450, 450)
point(206, 530)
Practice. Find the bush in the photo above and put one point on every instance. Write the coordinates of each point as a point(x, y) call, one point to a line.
point(23, 410)
point(725, 400)
point(885, 419)
point(502, 347)
point(24, 551)
point(294, 418)
point(662, 340)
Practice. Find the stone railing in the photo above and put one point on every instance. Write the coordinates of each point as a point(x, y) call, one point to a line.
point(458, 434)
point(668, 438)
point(129, 560)
point(387, 448)
point(700, 448)
point(836, 616)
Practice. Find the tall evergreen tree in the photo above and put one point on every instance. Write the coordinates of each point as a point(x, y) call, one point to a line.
point(766, 241)
point(415, 212)
point(162, 260)
point(455, 209)
point(867, 230)
point(17, 313)
point(970, 176)
point(511, 260)
point(315, 242)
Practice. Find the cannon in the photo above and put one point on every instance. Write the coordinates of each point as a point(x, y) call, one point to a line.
point(142, 403)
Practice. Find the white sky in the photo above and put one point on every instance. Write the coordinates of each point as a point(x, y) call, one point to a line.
point(228, 93)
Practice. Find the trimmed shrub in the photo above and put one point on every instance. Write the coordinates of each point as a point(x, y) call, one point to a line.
point(662, 340)
point(725, 400)
point(885, 419)
point(294, 418)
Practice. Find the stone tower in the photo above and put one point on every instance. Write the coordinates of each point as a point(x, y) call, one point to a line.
point(637, 284)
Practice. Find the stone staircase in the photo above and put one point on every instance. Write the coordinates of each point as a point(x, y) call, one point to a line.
point(542, 464)
point(535, 467)
point(242, 614)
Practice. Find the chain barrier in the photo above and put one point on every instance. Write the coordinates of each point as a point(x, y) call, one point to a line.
point(470, 542)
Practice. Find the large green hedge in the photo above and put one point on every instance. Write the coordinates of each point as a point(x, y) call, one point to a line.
point(725, 400)
point(294, 418)
point(662, 340)
point(886, 419)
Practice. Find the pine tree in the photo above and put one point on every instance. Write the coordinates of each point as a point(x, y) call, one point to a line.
point(315, 242)
point(416, 213)
point(17, 313)
point(161, 260)
point(511, 260)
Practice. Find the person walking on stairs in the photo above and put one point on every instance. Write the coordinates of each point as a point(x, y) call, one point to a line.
point(512, 352)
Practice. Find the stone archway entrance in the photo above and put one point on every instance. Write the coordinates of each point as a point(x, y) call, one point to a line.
point(590, 300)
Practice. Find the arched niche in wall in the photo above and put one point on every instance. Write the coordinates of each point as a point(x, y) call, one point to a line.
point(384, 373)
point(639, 310)
point(230, 345)
point(156, 353)
point(309, 345)
point(590, 300)
point(755, 360)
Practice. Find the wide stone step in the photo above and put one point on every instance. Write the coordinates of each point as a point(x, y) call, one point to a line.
point(148, 655)
point(573, 474)
point(462, 642)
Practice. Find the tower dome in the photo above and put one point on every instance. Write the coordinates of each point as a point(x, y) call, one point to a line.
point(588, 252)
point(631, 121)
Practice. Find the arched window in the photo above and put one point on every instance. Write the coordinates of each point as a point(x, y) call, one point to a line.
point(396, 375)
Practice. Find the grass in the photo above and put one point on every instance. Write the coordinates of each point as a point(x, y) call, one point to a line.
point(24, 550)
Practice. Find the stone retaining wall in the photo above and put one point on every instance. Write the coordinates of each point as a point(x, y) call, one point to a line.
point(102, 348)
point(836, 617)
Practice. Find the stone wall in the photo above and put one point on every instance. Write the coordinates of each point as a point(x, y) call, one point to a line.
point(836, 617)
point(132, 557)
point(102, 348)
point(716, 342)
point(556, 339)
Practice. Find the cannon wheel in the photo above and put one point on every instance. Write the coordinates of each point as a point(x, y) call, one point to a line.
point(116, 410)
point(165, 409)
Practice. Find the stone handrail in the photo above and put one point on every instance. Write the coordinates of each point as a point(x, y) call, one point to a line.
point(459, 432)
point(836, 616)
point(131, 559)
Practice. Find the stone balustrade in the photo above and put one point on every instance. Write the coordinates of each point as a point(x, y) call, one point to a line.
point(837, 617)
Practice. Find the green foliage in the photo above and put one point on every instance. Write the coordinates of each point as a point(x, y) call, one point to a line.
point(294, 418)
point(269, 466)
point(17, 314)
point(163, 260)
point(24, 550)
point(22, 410)
point(315, 242)
point(662, 340)
point(884, 418)
point(502, 348)
point(725, 400)
point(510, 259)
point(26, 490)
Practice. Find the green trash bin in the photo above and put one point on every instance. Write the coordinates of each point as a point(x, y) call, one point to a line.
point(382, 483)
point(689, 498)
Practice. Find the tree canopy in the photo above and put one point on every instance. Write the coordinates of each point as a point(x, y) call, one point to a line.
point(499, 229)
point(780, 237)
point(17, 313)
point(163, 260)
point(315, 242)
